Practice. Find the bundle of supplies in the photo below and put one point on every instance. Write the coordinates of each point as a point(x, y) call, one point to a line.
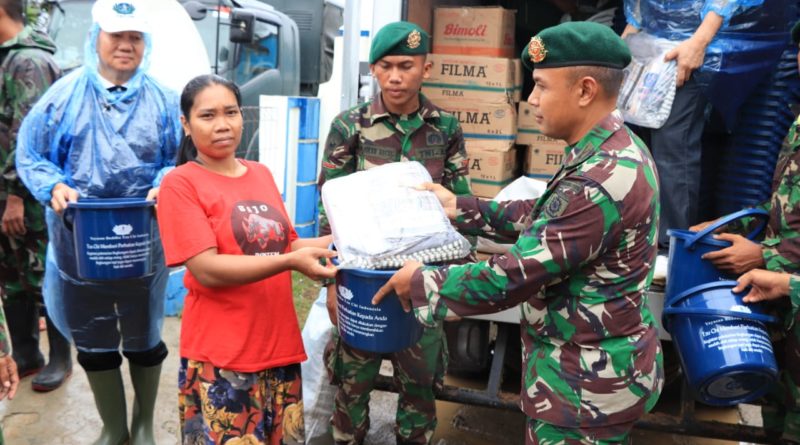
point(380, 220)
point(648, 90)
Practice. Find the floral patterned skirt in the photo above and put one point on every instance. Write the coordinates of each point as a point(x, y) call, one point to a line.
point(222, 407)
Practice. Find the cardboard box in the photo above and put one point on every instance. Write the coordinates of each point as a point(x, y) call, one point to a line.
point(482, 120)
point(491, 167)
point(445, 94)
point(542, 161)
point(475, 71)
point(481, 31)
point(519, 80)
point(527, 128)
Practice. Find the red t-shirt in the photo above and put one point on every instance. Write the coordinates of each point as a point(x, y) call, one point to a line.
point(244, 328)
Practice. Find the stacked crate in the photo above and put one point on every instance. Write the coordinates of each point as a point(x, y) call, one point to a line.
point(475, 77)
point(543, 155)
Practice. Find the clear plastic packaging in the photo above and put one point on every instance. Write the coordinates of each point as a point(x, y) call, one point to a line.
point(648, 90)
point(379, 220)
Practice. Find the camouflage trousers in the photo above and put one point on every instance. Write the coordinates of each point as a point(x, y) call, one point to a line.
point(781, 411)
point(418, 372)
point(541, 433)
point(22, 259)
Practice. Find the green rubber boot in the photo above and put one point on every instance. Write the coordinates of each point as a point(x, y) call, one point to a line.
point(145, 385)
point(109, 397)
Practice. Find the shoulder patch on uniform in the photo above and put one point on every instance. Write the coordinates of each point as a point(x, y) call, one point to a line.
point(555, 205)
point(558, 201)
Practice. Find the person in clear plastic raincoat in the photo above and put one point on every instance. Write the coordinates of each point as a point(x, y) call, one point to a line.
point(107, 130)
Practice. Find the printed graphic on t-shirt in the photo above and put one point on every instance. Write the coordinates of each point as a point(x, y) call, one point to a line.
point(259, 229)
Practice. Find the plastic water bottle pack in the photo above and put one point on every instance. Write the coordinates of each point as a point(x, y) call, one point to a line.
point(648, 90)
point(379, 220)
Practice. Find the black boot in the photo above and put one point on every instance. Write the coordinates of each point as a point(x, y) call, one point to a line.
point(22, 316)
point(59, 365)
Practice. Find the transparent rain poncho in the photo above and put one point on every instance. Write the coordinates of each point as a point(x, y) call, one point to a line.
point(104, 145)
point(746, 48)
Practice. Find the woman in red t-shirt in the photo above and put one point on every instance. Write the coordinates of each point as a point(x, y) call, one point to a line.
point(224, 219)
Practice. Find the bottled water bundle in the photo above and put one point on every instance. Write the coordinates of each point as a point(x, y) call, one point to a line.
point(379, 220)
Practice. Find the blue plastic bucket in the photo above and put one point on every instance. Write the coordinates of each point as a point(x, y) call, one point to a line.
point(382, 328)
point(686, 268)
point(113, 237)
point(722, 342)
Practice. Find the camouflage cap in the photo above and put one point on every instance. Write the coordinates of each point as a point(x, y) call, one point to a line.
point(576, 44)
point(796, 33)
point(399, 38)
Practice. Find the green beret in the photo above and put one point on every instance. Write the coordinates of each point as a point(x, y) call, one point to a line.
point(576, 44)
point(399, 39)
point(796, 33)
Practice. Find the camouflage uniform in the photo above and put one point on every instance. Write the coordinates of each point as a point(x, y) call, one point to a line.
point(361, 138)
point(27, 70)
point(580, 267)
point(780, 249)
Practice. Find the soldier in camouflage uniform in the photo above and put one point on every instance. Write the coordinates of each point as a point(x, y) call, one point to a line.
point(399, 124)
point(583, 257)
point(26, 71)
point(778, 251)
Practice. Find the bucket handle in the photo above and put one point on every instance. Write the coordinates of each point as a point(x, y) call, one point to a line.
point(68, 217)
point(720, 313)
point(758, 213)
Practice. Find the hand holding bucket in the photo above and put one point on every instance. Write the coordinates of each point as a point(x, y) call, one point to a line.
point(687, 268)
point(762, 215)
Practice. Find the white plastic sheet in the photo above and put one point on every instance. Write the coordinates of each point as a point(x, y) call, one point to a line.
point(649, 87)
point(379, 220)
point(318, 394)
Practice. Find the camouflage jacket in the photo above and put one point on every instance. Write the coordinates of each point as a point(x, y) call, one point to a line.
point(368, 135)
point(27, 69)
point(580, 267)
point(781, 243)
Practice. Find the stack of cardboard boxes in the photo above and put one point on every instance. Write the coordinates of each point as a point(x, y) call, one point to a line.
point(543, 155)
point(477, 76)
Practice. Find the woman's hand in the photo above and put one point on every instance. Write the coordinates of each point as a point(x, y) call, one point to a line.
point(307, 260)
point(766, 285)
point(446, 197)
point(61, 195)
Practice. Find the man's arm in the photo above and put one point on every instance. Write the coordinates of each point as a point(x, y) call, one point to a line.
point(456, 170)
point(576, 224)
point(29, 79)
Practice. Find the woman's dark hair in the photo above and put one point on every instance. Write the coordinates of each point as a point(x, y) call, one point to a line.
point(187, 151)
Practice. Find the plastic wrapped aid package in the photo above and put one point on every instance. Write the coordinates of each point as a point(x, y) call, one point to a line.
point(648, 90)
point(379, 220)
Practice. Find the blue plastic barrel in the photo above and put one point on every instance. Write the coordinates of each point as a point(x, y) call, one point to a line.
point(685, 268)
point(382, 328)
point(113, 237)
point(722, 342)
